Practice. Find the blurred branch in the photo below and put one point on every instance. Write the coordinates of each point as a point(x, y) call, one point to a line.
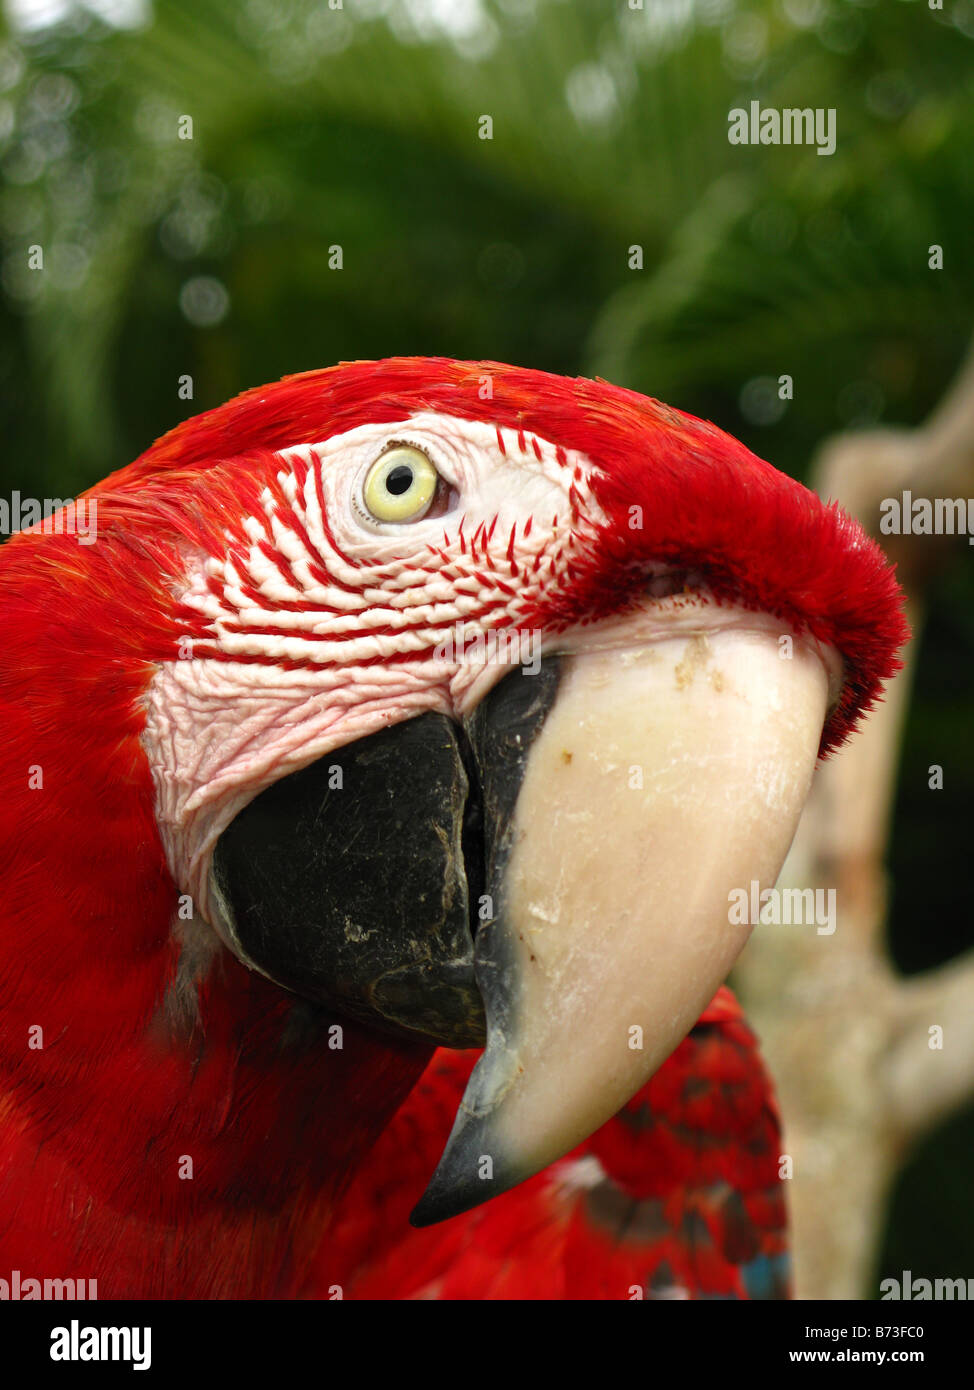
point(859, 1075)
point(935, 460)
point(923, 1083)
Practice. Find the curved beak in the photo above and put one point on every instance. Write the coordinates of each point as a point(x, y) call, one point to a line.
point(667, 774)
point(554, 877)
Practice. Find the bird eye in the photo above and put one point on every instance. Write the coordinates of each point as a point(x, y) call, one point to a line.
point(401, 485)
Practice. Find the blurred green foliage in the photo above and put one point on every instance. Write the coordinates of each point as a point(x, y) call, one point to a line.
point(359, 126)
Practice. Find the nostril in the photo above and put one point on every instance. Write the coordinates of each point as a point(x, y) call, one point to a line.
point(665, 582)
point(663, 585)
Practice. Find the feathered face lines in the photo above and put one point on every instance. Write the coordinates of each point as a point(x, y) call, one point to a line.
point(706, 501)
point(656, 492)
point(311, 578)
point(311, 621)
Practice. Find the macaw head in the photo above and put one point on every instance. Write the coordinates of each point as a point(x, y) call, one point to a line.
point(454, 698)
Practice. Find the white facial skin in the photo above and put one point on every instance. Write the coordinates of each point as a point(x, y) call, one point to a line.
point(220, 729)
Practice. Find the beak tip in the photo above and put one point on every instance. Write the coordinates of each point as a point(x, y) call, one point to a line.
point(424, 1213)
point(440, 1201)
point(465, 1177)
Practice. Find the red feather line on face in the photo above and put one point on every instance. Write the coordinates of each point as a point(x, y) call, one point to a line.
point(701, 499)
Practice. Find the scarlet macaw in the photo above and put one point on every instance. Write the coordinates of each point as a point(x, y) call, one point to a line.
point(278, 819)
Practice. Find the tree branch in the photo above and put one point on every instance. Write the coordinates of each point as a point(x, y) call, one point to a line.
point(847, 1039)
point(924, 1083)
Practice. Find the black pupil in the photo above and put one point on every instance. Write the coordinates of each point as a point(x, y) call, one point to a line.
point(399, 479)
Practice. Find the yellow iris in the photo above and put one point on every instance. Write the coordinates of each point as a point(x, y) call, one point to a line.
point(401, 485)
